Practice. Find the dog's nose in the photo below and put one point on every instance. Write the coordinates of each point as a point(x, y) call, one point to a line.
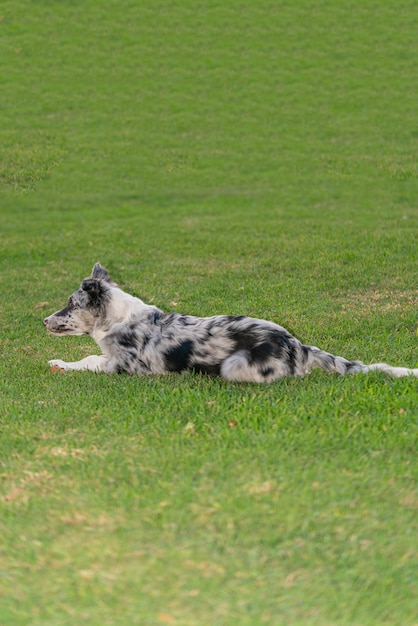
point(46, 321)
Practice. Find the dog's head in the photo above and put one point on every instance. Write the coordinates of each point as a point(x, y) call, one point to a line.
point(85, 306)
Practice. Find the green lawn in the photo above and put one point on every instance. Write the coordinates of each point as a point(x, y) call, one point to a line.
point(228, 157)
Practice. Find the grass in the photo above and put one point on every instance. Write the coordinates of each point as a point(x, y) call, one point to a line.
point(254, 158)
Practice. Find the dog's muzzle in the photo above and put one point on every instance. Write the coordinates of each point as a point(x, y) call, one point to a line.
point(55, 327)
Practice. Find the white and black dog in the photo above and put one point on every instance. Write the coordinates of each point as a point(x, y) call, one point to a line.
point(138, 338)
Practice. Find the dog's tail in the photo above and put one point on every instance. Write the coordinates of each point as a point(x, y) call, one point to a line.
point(318, 358)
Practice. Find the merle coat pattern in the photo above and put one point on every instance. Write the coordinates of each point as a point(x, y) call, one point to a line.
point(138, 338)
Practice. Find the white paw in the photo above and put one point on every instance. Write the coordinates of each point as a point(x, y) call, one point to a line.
point(57, 365)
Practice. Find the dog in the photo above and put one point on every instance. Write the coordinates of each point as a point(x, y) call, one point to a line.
point(139, 338)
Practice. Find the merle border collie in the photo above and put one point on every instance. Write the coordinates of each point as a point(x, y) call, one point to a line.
point(139, 338)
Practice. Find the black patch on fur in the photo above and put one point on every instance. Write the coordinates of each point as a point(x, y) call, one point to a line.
point(96, 291)
point(206, 368)
point(353, 365)
point(244, 338)
point(329, 362)
point(277, 343)
point(261, 352)
point(266, 371)
point(184, 320)
point(280, 337)
point(168, 318)
point(63, 312)
point(178, 358)
point(127, 339)
point(145, 341)
point(280, 346)
point(156, 316)
point(143, 365)
point(305, 354)
point(284, 348)
point(130, 364)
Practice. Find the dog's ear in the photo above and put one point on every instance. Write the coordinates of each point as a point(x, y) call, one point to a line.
point(95, 288)
point(98, 272)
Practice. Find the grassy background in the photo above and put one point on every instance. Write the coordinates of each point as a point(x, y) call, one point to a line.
point(217, 157)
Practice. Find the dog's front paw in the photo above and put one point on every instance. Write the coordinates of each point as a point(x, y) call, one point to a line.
point(57, 365)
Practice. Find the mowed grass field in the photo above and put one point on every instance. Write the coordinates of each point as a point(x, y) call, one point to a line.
point(253, 158)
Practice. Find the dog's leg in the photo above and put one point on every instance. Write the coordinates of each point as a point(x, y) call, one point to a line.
point(237, 368)
point(93, 363)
